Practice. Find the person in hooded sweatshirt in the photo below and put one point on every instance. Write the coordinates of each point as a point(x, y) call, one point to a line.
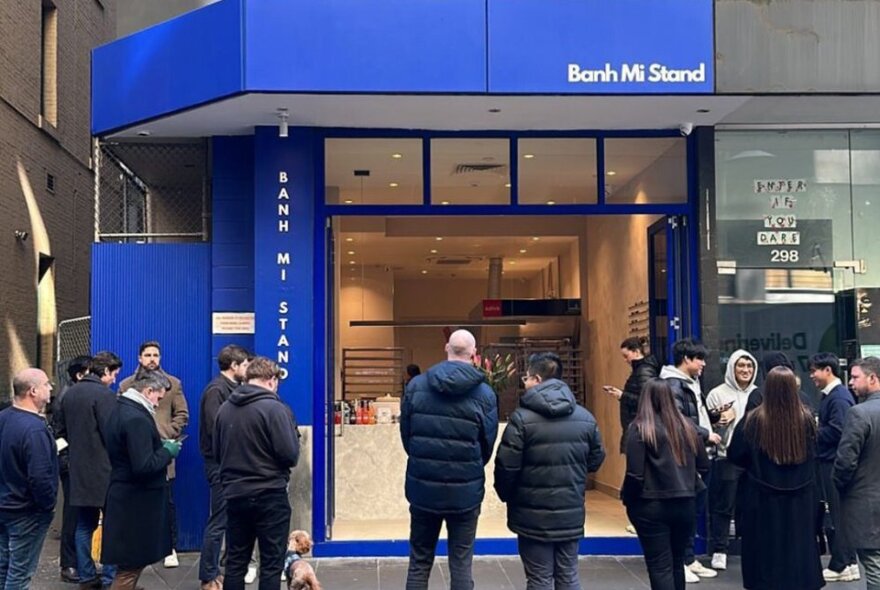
point(257, 444)
point(549, 446)
point(448, 425)
point(728, 400)
point(683, 377)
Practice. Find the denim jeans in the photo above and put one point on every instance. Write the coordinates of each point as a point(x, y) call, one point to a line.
point(68, 527)
point(424, 531)
point(86, 523)
point(664, 527)
point(547, 563)
point(870, 559)
point(215, 528)
point(263, 518)
point(21, 539)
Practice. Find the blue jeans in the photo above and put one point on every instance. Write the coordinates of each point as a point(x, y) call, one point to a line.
point(424, 530)
point(549, 565)
point(21, 539)
point(86, 523)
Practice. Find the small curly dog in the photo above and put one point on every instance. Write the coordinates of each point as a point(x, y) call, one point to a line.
point(300, 575)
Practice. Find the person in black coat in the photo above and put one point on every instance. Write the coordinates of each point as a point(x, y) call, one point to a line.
point(85, 407)
point(644, 368)
point(137, 529)
point(664, 455)
point(549, 446)
point(448, 426)
point(775, 445)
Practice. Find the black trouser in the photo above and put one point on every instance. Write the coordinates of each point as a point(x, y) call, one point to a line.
point(262, 517)
point(663, 527)
point(699, 512)
point(68, 526)
point(424, 530)
point(172, 514)
point(549, 565)
point(722, 503)
point(842, 554)
point(215, 528)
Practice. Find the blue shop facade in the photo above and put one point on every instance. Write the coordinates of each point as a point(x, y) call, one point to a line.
point(546, 174)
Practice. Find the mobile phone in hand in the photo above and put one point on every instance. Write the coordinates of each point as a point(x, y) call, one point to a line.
point(181, 438)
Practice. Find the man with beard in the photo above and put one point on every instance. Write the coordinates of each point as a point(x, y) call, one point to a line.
point(172, 416)
point(233, 361)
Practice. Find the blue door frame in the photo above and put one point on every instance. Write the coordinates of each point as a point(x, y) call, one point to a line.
point(324, 331)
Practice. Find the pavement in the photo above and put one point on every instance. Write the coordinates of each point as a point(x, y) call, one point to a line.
point(490, 573)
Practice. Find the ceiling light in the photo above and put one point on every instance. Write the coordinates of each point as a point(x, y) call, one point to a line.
point(351, 261)
point(397, 156)
point(439, 239)
point(351, 252)
point(506, 185)
point(393, 184)
point(444, 202)
point(424, 272)
point(704, 110)
point(494, 110)
point(551, 202)
point(528, 156)
point(522, 250)
point(433, 251)
point(535, 239)
point(348, 201)
point(512, 262)
point(611, 173)
point(349, 239)
point(282, 122)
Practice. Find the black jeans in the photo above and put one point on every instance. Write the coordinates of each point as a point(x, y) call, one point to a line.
point(68, 526)
point(699, 512)
point(215, 528)
point(842, 554)
point(424, 530)
point(663, 527)
point(722, 503)
point(172, 514)
point(263, 517)
point(546, 563)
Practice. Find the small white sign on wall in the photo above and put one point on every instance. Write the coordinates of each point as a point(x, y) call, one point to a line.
point(232, 322)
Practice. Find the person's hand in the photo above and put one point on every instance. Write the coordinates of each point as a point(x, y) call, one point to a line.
point(613, 391)
point(714, 438)
point(172, 446)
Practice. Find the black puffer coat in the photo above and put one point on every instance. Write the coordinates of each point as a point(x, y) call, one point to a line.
point(448, 425)
point(548, 448)
point(643, 370)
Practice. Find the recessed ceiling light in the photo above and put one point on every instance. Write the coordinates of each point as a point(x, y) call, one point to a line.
point(397, 156)
point(513, 262)
point(522, 250)
point(439, 239)
point(551, 202)
point(351, 252)
point(424, 272)
point(349, 239)
point(528, 156)
point(535, 239)
point(433, 251)
point(704, 110)
point(393, 184)
point(353, 278)
point(351, 261)
point(444, 202)
point(495, 110)
point(611, 173)
point(506, 185)
point(348, 201)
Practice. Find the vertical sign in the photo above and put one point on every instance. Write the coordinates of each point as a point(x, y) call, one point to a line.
point(283, 265)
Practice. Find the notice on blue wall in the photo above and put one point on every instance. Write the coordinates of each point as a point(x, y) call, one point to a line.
point(601, 47)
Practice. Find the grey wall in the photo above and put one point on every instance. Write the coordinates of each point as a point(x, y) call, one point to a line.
point(797, 45)
point(134, 15)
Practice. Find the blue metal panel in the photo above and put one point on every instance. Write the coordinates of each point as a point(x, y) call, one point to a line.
point(190, 60)
point(357, 46)
point(533, 43)
point(161, 292)
point(506, 546)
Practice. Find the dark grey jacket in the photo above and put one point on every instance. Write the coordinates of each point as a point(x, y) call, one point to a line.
point(548, 448)
point(857, 473)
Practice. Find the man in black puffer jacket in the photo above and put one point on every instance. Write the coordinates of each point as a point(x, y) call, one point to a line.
point(548, 448)
point(448, 425)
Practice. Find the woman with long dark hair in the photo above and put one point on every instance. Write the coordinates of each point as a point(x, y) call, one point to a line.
point(664, 456)
point(775, 445)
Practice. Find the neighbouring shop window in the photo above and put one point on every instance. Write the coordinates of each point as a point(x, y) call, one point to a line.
point(470, 171)
point(645, 170)
point(557, 171)
point(368, 171)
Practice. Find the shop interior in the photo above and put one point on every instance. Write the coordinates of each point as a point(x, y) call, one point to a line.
point(574, 284)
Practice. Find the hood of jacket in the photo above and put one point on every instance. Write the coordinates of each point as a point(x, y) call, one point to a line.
point(771, 360)
point(730, 373)
point(454, 377)
point(551, 398)
point(672, 372)
point(248, 394)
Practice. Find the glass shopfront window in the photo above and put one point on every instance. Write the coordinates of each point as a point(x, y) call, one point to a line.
point(468, 171)
point(645, 170)
point(797, 269)
point(367, 171)
point(557, 171)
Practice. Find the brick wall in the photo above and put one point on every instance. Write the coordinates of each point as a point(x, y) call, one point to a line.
point(63, 152)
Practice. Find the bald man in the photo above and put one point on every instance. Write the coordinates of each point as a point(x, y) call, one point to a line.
point(28, 478)
point(448, 424)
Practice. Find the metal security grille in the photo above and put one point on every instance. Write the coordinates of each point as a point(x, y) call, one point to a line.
point(74, 339)
point(151, 191)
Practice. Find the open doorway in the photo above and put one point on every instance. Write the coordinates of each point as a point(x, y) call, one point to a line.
point(577, 285)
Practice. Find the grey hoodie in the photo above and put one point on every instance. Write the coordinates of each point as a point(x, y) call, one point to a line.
point(730, 392)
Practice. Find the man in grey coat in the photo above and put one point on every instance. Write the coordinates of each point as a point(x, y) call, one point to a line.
point(857, 468)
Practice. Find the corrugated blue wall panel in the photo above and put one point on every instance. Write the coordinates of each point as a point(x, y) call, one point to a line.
point(161, 292)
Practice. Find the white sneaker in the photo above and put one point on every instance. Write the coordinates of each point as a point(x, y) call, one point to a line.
point(690, 577)
point(283, 577)
point(719, 561)
point(854, 571)
point(251, 576)
point(630, 529)
point(171, 560)
point(701, 570)
point(844, 575)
